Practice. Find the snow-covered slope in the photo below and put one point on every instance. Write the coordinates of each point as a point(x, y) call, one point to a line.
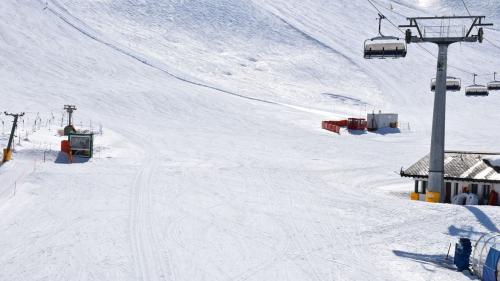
point(213, 166)
point(302, 52)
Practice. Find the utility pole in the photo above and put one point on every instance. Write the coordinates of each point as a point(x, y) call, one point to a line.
point(70, 109)
point(441, 36)
point(7, 153)
point(69, 128)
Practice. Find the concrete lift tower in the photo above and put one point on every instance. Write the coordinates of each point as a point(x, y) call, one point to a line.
point(443, 34)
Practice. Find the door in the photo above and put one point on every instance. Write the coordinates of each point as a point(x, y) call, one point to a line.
point(486, 193)
point(447, 198)
point(474, 188)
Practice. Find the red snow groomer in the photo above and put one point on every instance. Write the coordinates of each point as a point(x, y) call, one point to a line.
point(357, 124)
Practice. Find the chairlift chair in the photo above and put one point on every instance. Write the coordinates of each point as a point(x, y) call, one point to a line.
point(384, 46)
point(453, 84)
point(476, 90)
point(494, 85)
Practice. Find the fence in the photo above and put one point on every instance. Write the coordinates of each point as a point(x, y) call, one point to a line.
point(445, 30)
point(331, 126)
point(37, 151)
point(404, 126)
point(33, 122)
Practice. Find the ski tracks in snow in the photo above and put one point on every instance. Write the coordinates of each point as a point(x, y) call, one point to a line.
point(150, 255)
point(62, 13)
point(78, 24)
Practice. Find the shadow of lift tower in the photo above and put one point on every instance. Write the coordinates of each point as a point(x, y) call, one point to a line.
point(443, 39)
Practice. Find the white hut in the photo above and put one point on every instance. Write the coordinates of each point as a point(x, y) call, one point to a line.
point(381, 120)
point(465, 172)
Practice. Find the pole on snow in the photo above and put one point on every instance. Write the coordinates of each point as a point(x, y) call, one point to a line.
point(69, 128)
point(7, 152)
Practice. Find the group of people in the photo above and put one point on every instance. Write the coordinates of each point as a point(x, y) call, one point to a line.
point(469, 198)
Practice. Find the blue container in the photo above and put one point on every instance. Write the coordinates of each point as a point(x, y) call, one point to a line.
point(463, 250)
point(490, 272)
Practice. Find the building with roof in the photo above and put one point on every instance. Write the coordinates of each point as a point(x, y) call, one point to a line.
point(473, 172)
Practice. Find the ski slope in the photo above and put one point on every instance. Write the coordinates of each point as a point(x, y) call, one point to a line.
point(212, 164)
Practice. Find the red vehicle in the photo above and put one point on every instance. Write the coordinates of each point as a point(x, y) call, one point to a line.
point(358, 124)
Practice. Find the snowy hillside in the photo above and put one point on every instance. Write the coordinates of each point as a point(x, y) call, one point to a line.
point(212, 165)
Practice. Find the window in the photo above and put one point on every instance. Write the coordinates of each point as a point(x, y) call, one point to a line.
point(456, 188)
point(416, 186)
point(424, 187)
point(474, 188)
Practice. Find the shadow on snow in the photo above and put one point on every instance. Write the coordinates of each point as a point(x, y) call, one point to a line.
point(387, 131)
point(62, 158)
point(483, 218)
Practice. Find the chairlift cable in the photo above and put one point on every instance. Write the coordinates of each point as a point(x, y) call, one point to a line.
point(425, 49)
point(466, 8)
point(491, 28)
point(390, 10)
point(489, 41)
point(380, 12)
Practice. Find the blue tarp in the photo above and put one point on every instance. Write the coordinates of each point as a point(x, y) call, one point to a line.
point(490, 272)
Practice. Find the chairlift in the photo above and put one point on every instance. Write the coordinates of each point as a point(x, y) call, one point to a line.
point(494, 85)
point(453, 84)
point(384, 46)
point(476, 90)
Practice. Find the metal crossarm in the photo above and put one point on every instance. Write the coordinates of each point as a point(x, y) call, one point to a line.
point(415, 22)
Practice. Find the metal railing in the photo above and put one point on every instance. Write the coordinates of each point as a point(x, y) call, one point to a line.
point(444, 31)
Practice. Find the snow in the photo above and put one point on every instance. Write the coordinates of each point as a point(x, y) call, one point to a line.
point(212, 163)
point(493, 161)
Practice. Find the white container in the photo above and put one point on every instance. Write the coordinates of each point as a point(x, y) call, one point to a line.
point(382, 120)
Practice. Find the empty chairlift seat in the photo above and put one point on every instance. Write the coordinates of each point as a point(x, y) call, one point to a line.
point(452, 84)
point(494, 85)
point(385, 47)
point(476, 90)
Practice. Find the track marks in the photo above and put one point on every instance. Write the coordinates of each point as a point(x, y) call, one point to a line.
point(83, 28)
point(146, 241)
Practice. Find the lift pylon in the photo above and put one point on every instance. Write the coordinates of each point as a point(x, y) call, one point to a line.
point(495, 84)
point(440, 31)
point(69, 128)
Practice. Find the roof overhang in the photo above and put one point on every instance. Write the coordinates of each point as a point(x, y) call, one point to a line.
point(404, 175)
